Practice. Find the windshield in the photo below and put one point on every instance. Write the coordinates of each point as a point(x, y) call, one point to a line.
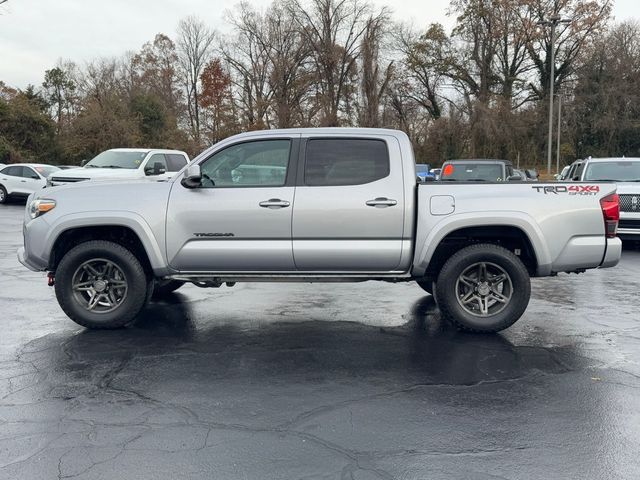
point(488, 172)
point(45, 170)
point(622, 171)
point(117, 159)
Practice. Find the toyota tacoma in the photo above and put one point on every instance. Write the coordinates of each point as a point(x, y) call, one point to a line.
point(315, 205)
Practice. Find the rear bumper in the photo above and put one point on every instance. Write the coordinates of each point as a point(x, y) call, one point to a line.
point(612, 254)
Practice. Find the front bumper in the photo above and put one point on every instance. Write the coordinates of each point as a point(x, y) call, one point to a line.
point(23, 260)
point(612, 254)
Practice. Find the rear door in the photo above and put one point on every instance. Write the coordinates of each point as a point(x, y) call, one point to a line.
point(349, 208)
point(11, 178)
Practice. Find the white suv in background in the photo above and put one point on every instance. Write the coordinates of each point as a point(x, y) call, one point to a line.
point(22, 179)
point(626, 173)
point(125, 164)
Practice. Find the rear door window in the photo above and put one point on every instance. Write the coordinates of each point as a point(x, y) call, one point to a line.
point(15, 171)
point(175, 162)
point(345, 161)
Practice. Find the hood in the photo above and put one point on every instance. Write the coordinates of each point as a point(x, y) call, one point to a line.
point(628, 188)
point(98, 173)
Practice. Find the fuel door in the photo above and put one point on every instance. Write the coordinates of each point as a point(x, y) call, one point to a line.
point(442, 205)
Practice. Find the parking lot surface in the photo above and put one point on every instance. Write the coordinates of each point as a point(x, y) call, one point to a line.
point(292, 381)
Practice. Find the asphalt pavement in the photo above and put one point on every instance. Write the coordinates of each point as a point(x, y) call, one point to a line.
point(320, 381)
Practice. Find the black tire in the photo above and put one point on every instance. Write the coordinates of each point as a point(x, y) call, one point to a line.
point(162, 288)
point(427, 285)
point(131, 274)
point(3, 195)
point(506, 311)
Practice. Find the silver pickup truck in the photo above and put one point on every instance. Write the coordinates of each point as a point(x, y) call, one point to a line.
point(314, 205)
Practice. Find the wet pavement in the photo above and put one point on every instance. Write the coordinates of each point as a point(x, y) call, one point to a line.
point(287, 381)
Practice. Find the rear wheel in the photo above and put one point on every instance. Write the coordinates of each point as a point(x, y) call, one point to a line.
point(483, 288)
point(3, 194)
point(101, 284)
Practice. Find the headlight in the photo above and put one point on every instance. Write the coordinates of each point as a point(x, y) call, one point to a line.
point(40, 206)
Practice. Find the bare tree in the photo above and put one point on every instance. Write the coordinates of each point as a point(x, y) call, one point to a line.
point(374, 77)
point(195, 41)
point(334, 29)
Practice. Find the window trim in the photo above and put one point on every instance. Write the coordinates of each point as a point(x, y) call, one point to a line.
point(301, 182)
point(292, 164)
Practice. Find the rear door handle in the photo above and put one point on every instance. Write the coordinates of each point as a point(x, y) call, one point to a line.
point(274, 203)
point(381, 202)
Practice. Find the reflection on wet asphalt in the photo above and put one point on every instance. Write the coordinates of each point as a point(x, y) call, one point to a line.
point(306, 381)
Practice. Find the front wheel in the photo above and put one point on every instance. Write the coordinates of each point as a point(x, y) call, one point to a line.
point(483, 288)
point(101, 284)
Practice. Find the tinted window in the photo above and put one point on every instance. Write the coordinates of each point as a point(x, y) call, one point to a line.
point(331, 161)
point(175, 162)
point(28, 172)
point(15, 171)
point(252, 164)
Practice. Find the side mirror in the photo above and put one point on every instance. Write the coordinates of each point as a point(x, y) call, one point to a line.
point(557, 176)
point(514, 178)
point(157, 169)
point(192, 177)
point(84, 162)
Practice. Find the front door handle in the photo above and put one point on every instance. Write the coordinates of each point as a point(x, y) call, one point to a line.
point(23, 181)
point(274, 203)
point(381, 202)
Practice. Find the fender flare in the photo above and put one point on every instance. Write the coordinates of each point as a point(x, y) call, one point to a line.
point(427, 246)
point(126, 219)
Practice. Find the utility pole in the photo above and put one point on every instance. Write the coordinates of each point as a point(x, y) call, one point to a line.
point(558, 132)
point(553, 22)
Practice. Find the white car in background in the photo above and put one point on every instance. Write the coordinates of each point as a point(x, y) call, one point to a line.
point(125, 164)
point(22, 179)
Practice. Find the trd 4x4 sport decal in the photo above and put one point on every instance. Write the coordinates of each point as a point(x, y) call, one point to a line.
point(571, 190)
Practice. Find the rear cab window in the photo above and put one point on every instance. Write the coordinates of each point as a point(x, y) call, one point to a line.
point(345, 161)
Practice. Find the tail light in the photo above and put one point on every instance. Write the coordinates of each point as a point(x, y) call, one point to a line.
point(611, 212)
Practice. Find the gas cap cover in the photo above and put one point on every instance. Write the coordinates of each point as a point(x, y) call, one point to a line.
point(442, 205)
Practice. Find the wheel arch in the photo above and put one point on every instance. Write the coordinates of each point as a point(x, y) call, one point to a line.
point(448, 241)
point(130, 233)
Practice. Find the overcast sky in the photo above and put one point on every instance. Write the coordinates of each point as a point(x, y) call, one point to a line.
point(34, 34)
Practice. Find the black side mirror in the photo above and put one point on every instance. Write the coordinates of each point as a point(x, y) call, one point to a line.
point(157, 169)
point(514, 178)
point(192, 177)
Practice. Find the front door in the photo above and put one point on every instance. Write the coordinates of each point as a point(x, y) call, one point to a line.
point(239, 219)
point(349, 212)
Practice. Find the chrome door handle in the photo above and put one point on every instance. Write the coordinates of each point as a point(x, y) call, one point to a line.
point(381, 202)
point(274, 203)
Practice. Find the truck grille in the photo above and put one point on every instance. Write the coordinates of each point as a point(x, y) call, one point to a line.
point(630, 203)
point(64, 180)
point(629, 224)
